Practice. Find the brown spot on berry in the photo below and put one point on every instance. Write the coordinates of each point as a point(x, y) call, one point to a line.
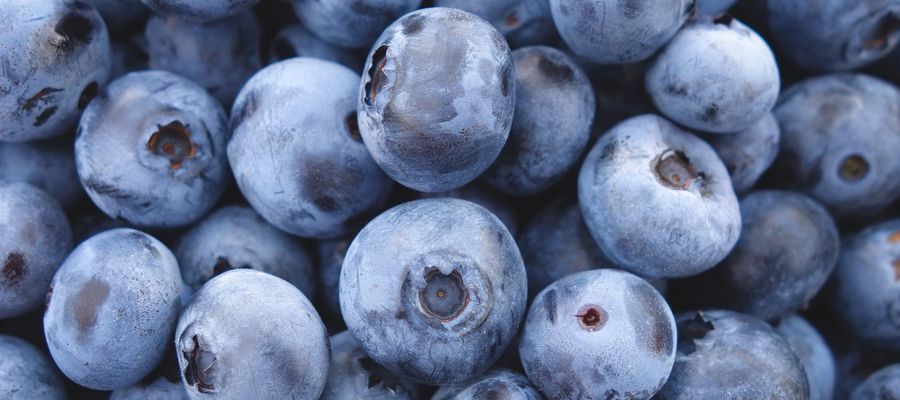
point(85, 305)
point(13, 268)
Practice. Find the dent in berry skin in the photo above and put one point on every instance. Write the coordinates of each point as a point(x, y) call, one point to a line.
point(434, 290)
point(435, 111)
point(351, 24)
point(47, 165)
point(552, 122)
point(236, 237)
point(716, 75)
point(523, 22)
point(296, 153)
point(27, 373)
point(113, 308)
point(728, 355)
point(160, 389)
point(598, 334)
point(34, 239)
point(495, 384)
point(814, 354)
point(353, 375)
point(483, 196)
point(883, 384)
point(57, 52)
point(199, 10)
point(839, 143)
point(748, 153)
point(248, 334)
point(296, 41)
point(658, 200)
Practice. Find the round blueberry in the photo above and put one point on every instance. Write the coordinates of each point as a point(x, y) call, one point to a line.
point(251, 335)
point(160, 389)
point(47, 165)
point(296, 150)
point(748, 153)
point(434, 290)
point(658, 200)
point(598, 334)
point(350, 23)
point(883, 384)
point(353, 375)
point(56, 57)
point(814, 354)
point(523, 22)
point(495, 384)
point(26, 373)
point(200, 10)
point(434, 110)
point(295, 41)
point(34, 239)
point(112, 309)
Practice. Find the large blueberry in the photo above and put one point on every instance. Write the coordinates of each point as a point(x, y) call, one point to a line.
point(434, 110)
point(728, 355)
point(350, 23)
point(296, 151)
point(497, 204)
point(658, 200)
point(495, 384)
point(353, 375)
point(523, 22)
point(552, 122)
point(55, 57)
point(883, 384)
point(237, 237)
point(295, 41)
point(160, 389)
point(748, 153)
point(839, 142)
point(618, 31)
point(716, 75)
point(251, 335)
point(26, 372)
point(48, 165)
point(150, 150)
point(814, 354)
point(598, 334)
point(201, 10)
point(434, 290)
point(112, 309)
point(35, 237)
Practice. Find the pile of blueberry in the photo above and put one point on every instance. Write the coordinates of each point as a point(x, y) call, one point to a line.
point(450, 199)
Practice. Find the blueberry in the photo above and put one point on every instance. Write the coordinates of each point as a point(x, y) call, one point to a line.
point(150, 150)
point(160, 389)
point(112, 309)
point(331, 258)
point(714, 7)
point(218, 55)
point(26, 373)
point(618, 31)
point(121, 15)
point(34, 240)
point(839, 142)
point(199, 10)
point(434, 290)
point(748, 153)
point(495, 384)
point(552, 122)
point(523, 22)
point(296, 151)
point(353, 375)
point(658, 200)
point(716, 75)
point(866, 285)
point(237, 237)
point(883, 384)
point(251, 335)
point(350, 23)
point(295, 41)
point(814, 354)
point(47, 165)
point(55, 58)
point(478, 194)
point(434, 110)
point(728, 355)
point(787, 249)
point(598, 334)
point(834, 34)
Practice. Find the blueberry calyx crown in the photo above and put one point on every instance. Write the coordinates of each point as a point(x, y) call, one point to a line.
point(172, 141)
point(691, 330)
point(674, 170)
point(377, 77)
point(444, 296)
point(353, 126)
point(592, 317)
point(854, 168)
point(194, 373)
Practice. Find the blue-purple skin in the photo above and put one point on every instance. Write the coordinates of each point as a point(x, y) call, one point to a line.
point(351, 24)
point(618, 31)
point(235, 237)
point(883, 384)
point(748, 153)
point(839, 143)
point(160, 389)
point(331, 259)
point(814, 354)
point(434, 290)
point(353, 375)
point(478, 194)
point(522, 22)
point(865, 288)
point(150, 150)
point(112, 309)
point(296, 41)
point(435, 111)
point(251, 335)
point(199, 10)
point(716, 75)
point(48, 165)
point(34, 240)
point(27, 373)
point(296, 153)
point(121, 15)
point(552, 123)
point(218, 55)
point(55, 56)
point(788, 248)
point(729, 355)
point(658, 199)
point(834, 35)
point(714, 7)
point(598, 334)
point(495, 384)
